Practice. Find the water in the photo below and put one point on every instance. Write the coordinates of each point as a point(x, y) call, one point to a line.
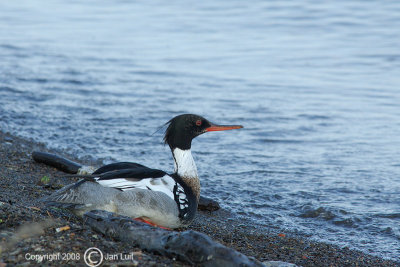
point(315, 84)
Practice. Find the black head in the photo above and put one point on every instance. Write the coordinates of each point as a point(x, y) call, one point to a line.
point(183, 128)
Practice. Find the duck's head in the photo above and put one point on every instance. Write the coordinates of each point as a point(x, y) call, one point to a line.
point(183, 128)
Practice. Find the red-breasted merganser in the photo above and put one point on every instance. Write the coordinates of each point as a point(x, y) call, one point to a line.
point(150, 195)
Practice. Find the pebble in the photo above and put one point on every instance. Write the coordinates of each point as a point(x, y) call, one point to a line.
point(137, 253)
point(24, 264)
point(15, 252)
point(278, 264)
point(8, 140)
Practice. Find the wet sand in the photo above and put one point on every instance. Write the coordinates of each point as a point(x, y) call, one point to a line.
point(28, 229)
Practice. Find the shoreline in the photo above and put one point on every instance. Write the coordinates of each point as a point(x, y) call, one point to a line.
point(28, 227)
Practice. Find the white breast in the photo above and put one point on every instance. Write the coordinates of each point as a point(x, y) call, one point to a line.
point(184, 163)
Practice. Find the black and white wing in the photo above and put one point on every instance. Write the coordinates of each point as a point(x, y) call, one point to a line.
point(139, 177)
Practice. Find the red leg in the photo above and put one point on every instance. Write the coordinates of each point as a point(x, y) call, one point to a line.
point(151, 223)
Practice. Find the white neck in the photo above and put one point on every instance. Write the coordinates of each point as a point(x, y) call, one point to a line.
point(184, 163)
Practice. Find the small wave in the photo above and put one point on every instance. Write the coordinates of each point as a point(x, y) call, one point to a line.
point(314, 117)
point(9, 89)
point(388, 215)
point(155, 73)
point(71, 72)
point(256, 172)
point(73, 81)
point(345, 222)
point(210, 85)
point(282, 141)
point(10, 47)
point(260, 206)
point(340, 190)
point(385, 57)
point(34, 80)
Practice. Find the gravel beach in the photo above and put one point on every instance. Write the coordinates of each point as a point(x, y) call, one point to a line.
point(31, 234)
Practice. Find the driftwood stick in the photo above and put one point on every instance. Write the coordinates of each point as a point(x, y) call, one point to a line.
point(56, 161)
point(190, 246)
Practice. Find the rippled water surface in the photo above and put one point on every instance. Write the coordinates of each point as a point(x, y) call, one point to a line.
point(316, 85)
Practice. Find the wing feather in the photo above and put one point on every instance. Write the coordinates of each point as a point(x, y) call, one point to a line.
point(137, 178)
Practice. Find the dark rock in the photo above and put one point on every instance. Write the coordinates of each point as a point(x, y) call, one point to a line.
point(209, 204)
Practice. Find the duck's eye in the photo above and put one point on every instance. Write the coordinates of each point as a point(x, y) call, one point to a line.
point(198, 122)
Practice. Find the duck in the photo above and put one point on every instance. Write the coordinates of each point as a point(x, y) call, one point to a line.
point(153, 196)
